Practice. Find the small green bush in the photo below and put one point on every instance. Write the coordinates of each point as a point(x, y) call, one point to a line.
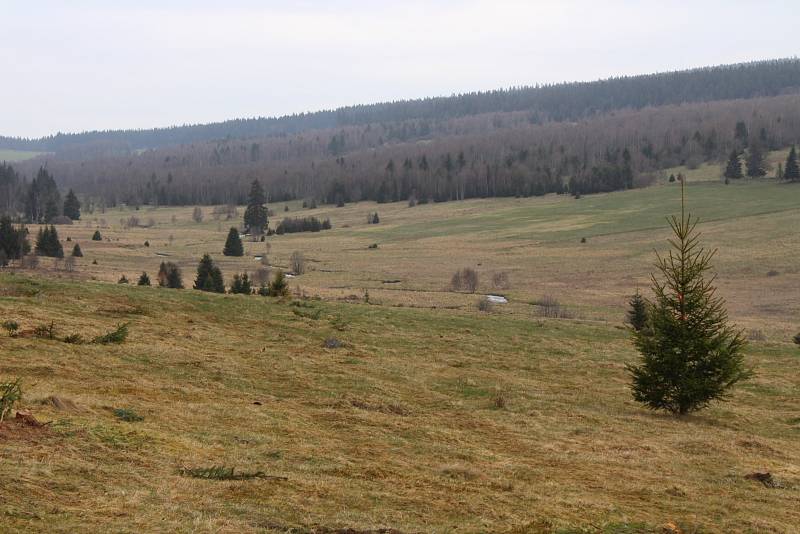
point(128, 415)
point(10, 395)
point(12, 327)
point(118, 335)
point(75, 339)
point(44, 330)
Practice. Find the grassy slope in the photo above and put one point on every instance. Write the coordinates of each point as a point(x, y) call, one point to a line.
point(399, 428)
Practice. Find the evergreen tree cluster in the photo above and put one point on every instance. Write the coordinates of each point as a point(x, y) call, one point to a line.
point(48, 244)
point(13, 241)
point(302, 224)
point(241, 284)
point(169, 275)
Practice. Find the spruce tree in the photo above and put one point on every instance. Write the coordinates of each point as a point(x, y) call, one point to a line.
point(755, 162)
point(279, 287)
point(47, 243)
point(791, 171)
point(255, 216)
point(209, 277)
point(733, 170)
point(169, 275)
point(233, 245)
point(13, 241)
point(241, 284)
point(76, 251)
point(690, 354)
point(72, 206)
point(96, 236)
point(637, 314)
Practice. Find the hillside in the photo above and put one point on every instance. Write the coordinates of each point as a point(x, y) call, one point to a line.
point(558, 102)
point(432, 414)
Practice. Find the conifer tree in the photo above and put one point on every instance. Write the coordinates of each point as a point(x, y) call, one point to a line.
point(233, 245)
point(733, 170)
point(209, 277)
point(255, 216)
point(144, 280)
point(241, 284)
point(96, 236)
point(791, 171)
point(76, 251)
point(72, 206)
point(169, 275)
point(690, 354)
point(637, 314)
point(755, 162)
point(47, 243)
point(13, 241)
point(279, 287)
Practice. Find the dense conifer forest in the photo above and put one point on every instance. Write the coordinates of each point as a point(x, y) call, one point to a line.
point(576, 138)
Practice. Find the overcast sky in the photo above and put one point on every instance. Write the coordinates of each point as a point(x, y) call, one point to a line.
point(91, 64)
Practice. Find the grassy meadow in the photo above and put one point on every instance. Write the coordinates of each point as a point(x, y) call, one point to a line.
point(10, 155)
point(432, 416)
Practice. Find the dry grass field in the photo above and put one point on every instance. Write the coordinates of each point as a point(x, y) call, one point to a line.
point(432, 416)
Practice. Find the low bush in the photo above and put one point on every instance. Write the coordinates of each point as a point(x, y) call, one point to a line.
point(46, 331)
point(550, 307)
point(10, 395)
point(485, 305)
point(127, 415)
point(465, 279)
point(118, 335)
point(12, 327)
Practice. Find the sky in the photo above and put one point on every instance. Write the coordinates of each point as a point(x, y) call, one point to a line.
point(78, 65)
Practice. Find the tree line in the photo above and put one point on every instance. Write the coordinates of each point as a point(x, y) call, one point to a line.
point(542, 103)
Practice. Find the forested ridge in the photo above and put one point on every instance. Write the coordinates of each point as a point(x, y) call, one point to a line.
point(464, 147)
point(554, 102)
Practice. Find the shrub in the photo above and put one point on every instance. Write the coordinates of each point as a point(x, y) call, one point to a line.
point(412, 201)
point(550, 307)
point(96, 236)
point(373, 246)
point(144, 280)
point(197, 214)
point(796, 339)
point(464, 280)
point(123, 280)
point(44, 330)
point(500, 281)
point(12, 327)
point(127, 415)
point(117, 336)
point(73, 339)
point(76, 251)
point(298, 262)
point(372, 218)
point(30, 261)
point(10, 395)
point(485, 305)
point(147, 243)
